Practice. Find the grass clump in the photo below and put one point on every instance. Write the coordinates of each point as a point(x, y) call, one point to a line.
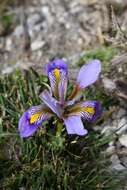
point(46, 161)
point(103, 53)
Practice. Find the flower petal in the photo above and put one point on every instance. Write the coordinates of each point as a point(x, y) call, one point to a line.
point(39, 113)
point(89, 110)
point(32, 119)
point(25, 128)
point(89, 73)
point(51, 102)
point(57, 71)
point(74, 125)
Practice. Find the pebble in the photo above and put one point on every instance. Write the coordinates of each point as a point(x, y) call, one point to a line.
point(115, 159)
point(36, 45)
point(118, 167)
point(122, 130)
point(8, 46)
point(107, 130)
point(110, 150)
point(19, 31)
point(122, 122)
point(123, 140)
point(109, 84)
point(121, 113)
point(124, 161)
point(32, 20)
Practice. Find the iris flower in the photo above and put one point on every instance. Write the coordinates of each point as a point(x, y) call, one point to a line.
point(68, 110)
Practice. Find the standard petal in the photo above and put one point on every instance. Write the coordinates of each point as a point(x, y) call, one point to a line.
point(89, 110)
point(32, 119)
point(51, 102)
point(89, 73)
point(74, 125)
point(57, 71)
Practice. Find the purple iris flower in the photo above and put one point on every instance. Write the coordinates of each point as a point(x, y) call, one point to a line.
point(55, 102)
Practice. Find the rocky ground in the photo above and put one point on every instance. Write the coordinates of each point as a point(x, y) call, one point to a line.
point(43, 29)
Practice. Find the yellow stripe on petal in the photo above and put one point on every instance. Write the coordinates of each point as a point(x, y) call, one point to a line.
point(57, 74)
point(90, 110)
point(34, 117)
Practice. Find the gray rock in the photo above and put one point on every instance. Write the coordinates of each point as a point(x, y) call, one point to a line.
point(123, 140)
point(122, 122)
point(109, 84)
point(106, 130)
point(122, 130)
point(32, 20)
point(9, 44)
point(120, 113)
point(19, 31)
point(36, 45)
point(124, 161)
point(115, 159)
point(118, 167)
point(110, 150)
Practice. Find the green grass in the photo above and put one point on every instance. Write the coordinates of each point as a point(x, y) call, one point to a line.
point(103, 53)
point(46, 161)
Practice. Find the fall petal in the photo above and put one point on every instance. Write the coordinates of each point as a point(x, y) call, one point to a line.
point(25, 128)
point(89, 110)
point(74, 125)
point(32, 119)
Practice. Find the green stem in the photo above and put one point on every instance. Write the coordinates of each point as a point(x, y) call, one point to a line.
point(59, 128)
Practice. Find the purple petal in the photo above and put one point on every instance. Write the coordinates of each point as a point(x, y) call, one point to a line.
point(32, 119)
point(56, 64)
point(51, 103)
point(89, 73)
point(74, 125)
point(89, 110)
point(62, 89)
point(57, 71)
point(25, 128)
point(96, 108)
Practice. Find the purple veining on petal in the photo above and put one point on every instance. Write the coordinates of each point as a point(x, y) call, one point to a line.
point(89, 73)
point(97, 110)
point(42, 117)
point(89, 110)
point(25, 128)
point(57, 71)
point(51, 102)
point(74, 125)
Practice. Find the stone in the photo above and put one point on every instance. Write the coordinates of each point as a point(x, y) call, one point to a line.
point(110, 150)
point(8, 44)
point(109, 84)
point(19, 31)
point(32, 20)
point(115, 159)
point(107, 130)
point(36, 45)
point(120, 113)
point(122, 122)
point(123, 140)
point(122, 130)
point(124, 161)
point(118, 167)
